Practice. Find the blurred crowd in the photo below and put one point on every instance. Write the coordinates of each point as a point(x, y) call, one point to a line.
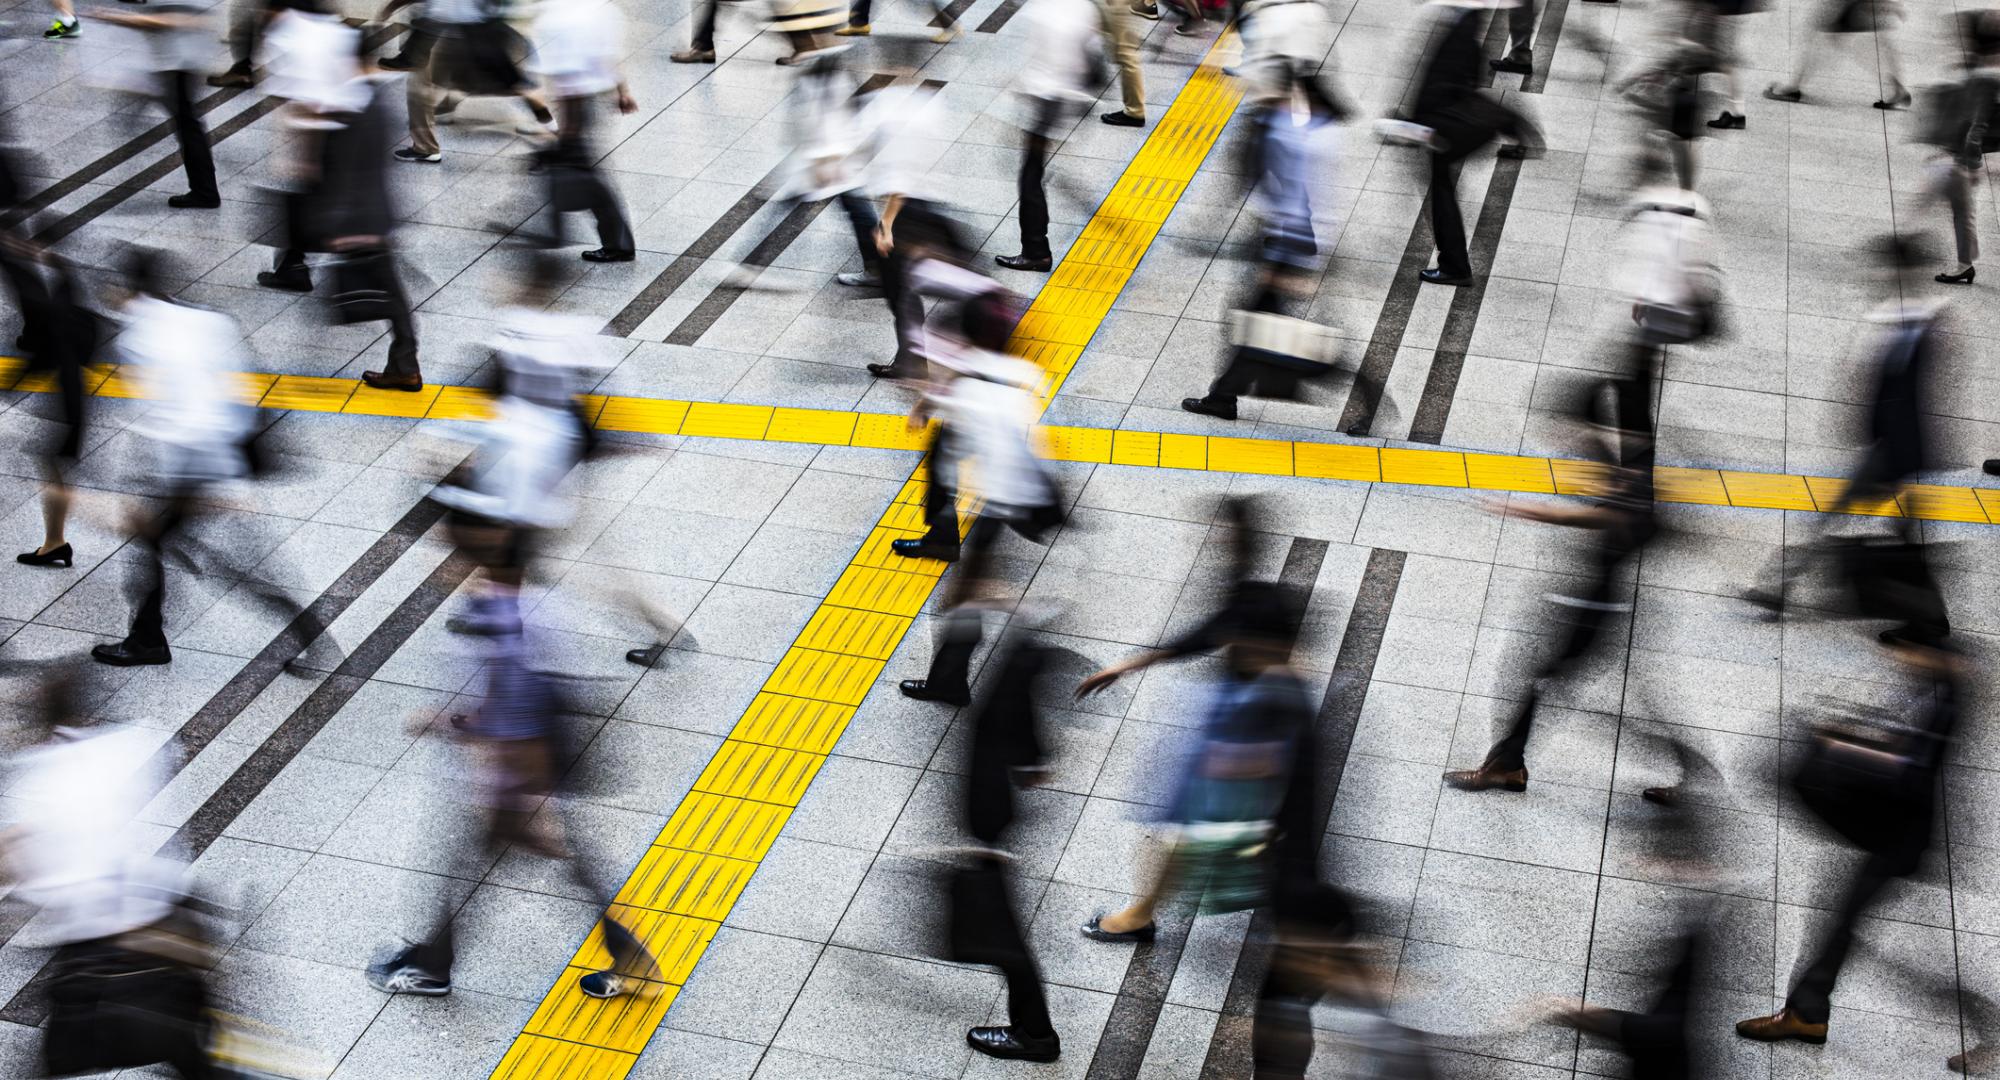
point(1249, 791)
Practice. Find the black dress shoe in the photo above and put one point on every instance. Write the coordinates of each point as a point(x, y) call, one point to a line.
point(1728, 121)
point(644, 657)
point(891, 371)
point(1095, 932)
point(1895, 102)
point(1023, 262)
point(235, 78)
point(1509, 64)
point(1992, 466)
point(1519, 152)
point(1005, 1042)
point(1963, 277)
point(917, 549)
point(1783, 93)
point(1123, 119)
point(919, 690)
point(271, 279)
point(399, 62)
point(1435, 276)
point(1206, 408)
point(606, 255)
point(126, 654)
point(58, 554)
point(191, 201)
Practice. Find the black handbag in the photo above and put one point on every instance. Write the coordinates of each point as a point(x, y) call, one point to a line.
point(1862, 788)
point(1863, 16)
point(361, 288)
point(983, 927)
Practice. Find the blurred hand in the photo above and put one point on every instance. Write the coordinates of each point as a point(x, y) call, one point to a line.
point(884, 240)
point(627, 104)
point(1097, 681)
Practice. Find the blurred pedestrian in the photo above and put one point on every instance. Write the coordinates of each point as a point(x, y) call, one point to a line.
point(984, 402)
point(1187, 13)
point(1004, 752)
point(1234, 785)
point(1712, 24)
point(58, 337)
point(1877, 17)
point(66, 24)
point(187, 360)
point(859, 25)
point(701, 43)
point(912, 232)
point(474, 53)
point(1461, 118)
point(577, 45)
point(1121, 42)
point(1877, 788)
point(126, 983)
point(1960, 130)
point(1055, 89)
point(248, 22)
point(343, 206)
point(178, 33)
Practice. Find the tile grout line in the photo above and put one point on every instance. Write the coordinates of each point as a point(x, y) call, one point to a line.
point(689, 879)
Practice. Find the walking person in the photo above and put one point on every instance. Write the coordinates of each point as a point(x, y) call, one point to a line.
point(177, 32)
point(66, 24)
point(1462, 118)
point(1055, 89)
point(345, 208)
point(58, 336)
point(577, 45)
point(249, 21)
point(1877, 17)
point(1121, 41)
point(701, 44)
point(187, 360)
point(983, 400)
point(1004, 752)
point(1960, 131)
point(474, 53)
point(912, 235)
point(1519, 59)
point(1712, 25)
point(1879, 793)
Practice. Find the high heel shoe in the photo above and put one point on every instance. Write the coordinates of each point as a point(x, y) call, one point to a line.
point(1963, 277)
point(48, 558)
point(1896, 101)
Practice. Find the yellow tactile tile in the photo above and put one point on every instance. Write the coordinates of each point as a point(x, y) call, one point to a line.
point(622, 1023)
point(889, 431)
point(1934, 502)
point(693, 884)
point(309, 394)
point(536, 1057)
point(1702, 487)
point(793, 723)
point(1583, 478)
point(824, 676)
point(764, 773)
point(722, 421)
point(1075, 444)
point(675, 942)
point(1135, 448)
point(1183, 451)
point(891, 592)
point(464, 403)
point(856, 633)
point(643, 415)
point(721, 825)
point(1336, 461)
point(1268, 456)
point(368, 401)
point(1503, 472)
point(1768, 491)
point(1429, 468)
point(1827, 491)
point(822, 426)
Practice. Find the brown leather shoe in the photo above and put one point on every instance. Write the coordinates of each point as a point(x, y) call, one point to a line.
point(1977, 1061)
point(381, 381)
point(1485, 778)
point(1785, 1024)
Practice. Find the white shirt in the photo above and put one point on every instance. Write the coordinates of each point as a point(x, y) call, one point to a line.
point(188, 358)
point(75, 851)
point(311, 60)
point(1280, 36)
point(1061, 34)
point(1669, 257)
point(577, 45)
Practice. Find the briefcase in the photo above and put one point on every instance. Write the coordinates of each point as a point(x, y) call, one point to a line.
point(361, 288)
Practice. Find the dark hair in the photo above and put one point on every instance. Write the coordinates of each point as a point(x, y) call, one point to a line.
point(987, 320)
point(542, 273)
point(1901, 252)
point(142, 267)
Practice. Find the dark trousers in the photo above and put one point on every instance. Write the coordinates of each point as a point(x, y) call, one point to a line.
point(577, 183)
point(1811, 995)
point(906, 310)
point(704, 24)
point(1447, 224)
point(986, 931)
point(402, 324)
point(149, 623)
point(1034, 197)
point(246, 30)
point(298, 238)
point(1521, 31)
point(196, 159)
point(861, 214)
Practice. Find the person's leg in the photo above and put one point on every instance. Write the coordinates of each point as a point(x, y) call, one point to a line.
point(858, 12)
point(420, 95)
point(1034, 198)
point(1123, 37)
point(1958, 185)
point(197, 160)
point(861, 214)
point(1139, 914)
point(402, 323)
point(1235, 380)
point(1521, 33)
point(55, 507)
point(1894, 96)
point(1447, 224)
point(1811, 997)
point(906, 310)
point(704, 25)
point(1281, 1033)
point(941, 492)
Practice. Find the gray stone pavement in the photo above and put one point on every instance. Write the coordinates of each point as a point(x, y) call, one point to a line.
point(1479, 903)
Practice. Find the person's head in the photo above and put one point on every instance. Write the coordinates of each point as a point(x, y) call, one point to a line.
point(142, 271)
point(1265, 631)
point(541, 280)
point(986, 320)
point(1895, 253)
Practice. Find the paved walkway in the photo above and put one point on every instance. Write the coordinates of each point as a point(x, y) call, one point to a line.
point(326, 799)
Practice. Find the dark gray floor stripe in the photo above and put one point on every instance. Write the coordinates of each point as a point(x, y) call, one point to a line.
point(992, 23)
point(642, 306)
point(1547, 36)
point(952, 12)
point(142, 181)
point(1441, 385)
point(1121, 1049)
point(1379, 359)
point(1353, 668)
point(1495, 44)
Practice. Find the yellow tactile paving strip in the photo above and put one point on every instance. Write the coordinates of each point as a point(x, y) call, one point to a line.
point(1420, 467)
point(699, 864)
